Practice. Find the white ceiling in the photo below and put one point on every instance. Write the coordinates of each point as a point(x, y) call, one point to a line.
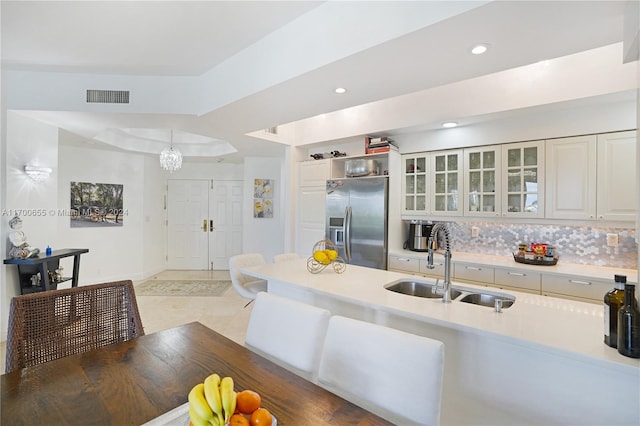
point(264, 63)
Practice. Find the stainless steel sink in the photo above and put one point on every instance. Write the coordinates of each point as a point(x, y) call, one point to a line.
point(420, 289)
point(485, 299)
point(428, 289)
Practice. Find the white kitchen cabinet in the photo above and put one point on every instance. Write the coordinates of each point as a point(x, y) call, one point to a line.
point(523, 179)
point(432, 183)
point(482, 181)
point(417, 264)
point(584, 288)
point(403, 264)
point(438, 267)
point(314, 173)
point(447, 183)
point(617, 168)
point(473, 273)
point(517, 279)
point(570, 166)
point(311, 203)
point(311, 220)
point(415, 183)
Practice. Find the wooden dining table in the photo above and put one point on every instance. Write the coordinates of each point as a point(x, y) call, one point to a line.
point(136, 381)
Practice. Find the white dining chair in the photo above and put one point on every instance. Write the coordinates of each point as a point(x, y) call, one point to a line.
point(283, 257)
point(394, 374)
point(246, 285)
point(288, 332)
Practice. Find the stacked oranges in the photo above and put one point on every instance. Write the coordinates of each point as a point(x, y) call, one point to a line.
point(249, 411)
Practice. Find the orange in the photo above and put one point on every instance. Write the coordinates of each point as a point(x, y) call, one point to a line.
point(247, 401)
point(238, 420)
point(261, 417)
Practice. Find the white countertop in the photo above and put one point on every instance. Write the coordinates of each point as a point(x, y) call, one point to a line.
point(563, 327)
point(561, 268)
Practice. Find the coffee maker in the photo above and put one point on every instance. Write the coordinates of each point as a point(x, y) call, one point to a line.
point(419, 232)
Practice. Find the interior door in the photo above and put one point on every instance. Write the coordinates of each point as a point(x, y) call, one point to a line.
point(187, 224)
point(225, 222)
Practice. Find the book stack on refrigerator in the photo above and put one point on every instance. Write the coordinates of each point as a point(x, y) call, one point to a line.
point(378, 145)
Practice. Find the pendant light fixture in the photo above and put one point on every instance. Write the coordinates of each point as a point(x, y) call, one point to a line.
point(170, 158)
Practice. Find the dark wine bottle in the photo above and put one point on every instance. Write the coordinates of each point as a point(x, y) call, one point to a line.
point(613, 301)
point(629, 324)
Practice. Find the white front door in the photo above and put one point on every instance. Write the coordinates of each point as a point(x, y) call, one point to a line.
point(187, 223)
point(204, 223)
point(225, 222)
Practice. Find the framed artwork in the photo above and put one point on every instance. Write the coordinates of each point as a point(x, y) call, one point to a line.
point(263, 198)
point(96, 205)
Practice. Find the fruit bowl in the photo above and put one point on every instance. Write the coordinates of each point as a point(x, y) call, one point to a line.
point(323, 254)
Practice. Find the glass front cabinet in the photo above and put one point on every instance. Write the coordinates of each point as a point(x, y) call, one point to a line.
point(414, 183)
point(482, 183)
point(523, 179)
point(447, 180)
point(432, 183)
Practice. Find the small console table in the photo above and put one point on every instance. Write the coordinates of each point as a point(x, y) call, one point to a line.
point(44, 264)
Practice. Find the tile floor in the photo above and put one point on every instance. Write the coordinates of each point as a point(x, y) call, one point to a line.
point(226, 314)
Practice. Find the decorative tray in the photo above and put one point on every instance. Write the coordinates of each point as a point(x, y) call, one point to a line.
point(536, 261)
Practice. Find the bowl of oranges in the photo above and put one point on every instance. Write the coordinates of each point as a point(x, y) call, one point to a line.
point(325, 253)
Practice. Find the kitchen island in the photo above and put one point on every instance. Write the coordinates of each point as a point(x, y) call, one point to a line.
point(540, 361)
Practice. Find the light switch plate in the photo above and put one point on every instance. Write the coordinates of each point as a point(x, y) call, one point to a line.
point(475, 232)
point(612, 240)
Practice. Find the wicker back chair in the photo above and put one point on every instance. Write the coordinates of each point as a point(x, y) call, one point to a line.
point(53, 324)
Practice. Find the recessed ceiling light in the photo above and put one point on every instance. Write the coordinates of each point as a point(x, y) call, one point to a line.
point(479, 49)
point(449, 124)
point(341, 90)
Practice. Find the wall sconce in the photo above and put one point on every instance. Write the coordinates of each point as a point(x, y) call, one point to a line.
point(37, 173)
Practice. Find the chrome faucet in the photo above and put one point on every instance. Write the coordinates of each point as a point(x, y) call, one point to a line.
point(433, 245)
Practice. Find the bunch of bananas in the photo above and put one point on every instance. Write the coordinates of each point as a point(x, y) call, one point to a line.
point(213, 402)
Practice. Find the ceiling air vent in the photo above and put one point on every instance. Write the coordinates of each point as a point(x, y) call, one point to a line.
point(108, 96)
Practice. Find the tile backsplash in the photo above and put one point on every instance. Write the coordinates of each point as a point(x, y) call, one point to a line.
point(575, 244)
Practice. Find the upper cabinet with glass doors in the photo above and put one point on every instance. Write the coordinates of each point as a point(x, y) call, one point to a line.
point(414, 183)
point(432, 183)
point(446, 181)
point(482, 181)
point(523, 179)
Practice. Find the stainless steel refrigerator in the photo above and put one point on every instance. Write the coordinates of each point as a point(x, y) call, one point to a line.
point(357, 219)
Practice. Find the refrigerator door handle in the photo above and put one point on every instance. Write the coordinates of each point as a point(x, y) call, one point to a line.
point(347, 233)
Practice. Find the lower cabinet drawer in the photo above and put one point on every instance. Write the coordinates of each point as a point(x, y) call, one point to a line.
point(518, 279)
point(473, 272)
point(579, 299)
point(402, 263)
point(588, 288)
point(438, 268)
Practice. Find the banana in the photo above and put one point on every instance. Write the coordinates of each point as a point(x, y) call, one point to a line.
point(212, 395)
point(197, 420)
point(198, 404)
point(228, 396)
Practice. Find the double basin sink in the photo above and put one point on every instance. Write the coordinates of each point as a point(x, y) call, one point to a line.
point(431, 290)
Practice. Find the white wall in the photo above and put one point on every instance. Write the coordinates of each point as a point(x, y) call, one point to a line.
point(114, 252)
point(265, 235)
point(34, 143)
